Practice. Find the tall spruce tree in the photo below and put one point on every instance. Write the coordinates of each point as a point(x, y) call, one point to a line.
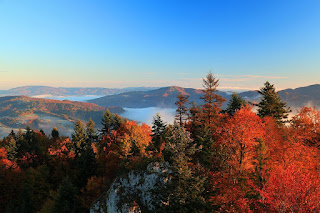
point(271, 104)
point(79, 138)
point(158, 128)
point(236, 103)
point(184, 192)
point(106, 122)
point(182, 109)
point(212, 101)
point(90, 131)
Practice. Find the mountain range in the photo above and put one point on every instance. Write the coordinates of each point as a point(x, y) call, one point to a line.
point(167, 96)
point(68, 91)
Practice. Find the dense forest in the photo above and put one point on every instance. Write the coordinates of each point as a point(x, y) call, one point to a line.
point(245, 158)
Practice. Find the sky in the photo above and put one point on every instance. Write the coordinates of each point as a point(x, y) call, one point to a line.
point(101, 43)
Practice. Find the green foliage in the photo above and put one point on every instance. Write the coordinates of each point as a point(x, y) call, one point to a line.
point(182, 109)
point(236, 103)
point(79, 138)
point(106, 122)
point(271, 104)
point(158, 128)
point(185, 189)
point(66, 201)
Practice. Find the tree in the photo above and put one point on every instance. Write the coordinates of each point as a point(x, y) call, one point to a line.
point(79, 138)
point(184, 190)
point(236, 103)
point(106, 122)
point(117, 121)
point(65, 201)
point(55, 133)
point(90, 131)
point(182, 110)
point(158, 128)
point(271, 104)
point(212, 101)
point(306, 126)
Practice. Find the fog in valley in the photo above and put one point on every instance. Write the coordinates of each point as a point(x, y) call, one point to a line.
point(145, 115)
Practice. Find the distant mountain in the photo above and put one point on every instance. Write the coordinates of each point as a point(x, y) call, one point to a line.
point(21, 111)
point(163, 97)
point(65, 91)
point(167, 96)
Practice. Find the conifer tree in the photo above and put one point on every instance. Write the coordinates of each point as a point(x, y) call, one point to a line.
point(212, 101)
point(12, 149)
point(55, 133)
point(90, 131)
point(182, 109)
point(106, 122)
point(79, 138)
point(158, 128)
point(271, 104)
point(117, 121)
point(66, 201)
point(236, 103)
point(184, 190)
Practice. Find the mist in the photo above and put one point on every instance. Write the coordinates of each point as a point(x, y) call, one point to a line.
point(145, 115)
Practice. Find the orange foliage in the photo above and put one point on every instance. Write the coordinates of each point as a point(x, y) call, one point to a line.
point(240, 134)
point(5, 162)
point(62, 149)
point(306, 125)
point(133, 138)
point(292, 189)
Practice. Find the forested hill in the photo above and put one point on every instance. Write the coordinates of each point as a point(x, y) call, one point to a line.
point(68, 91)
point(163, 97)
point(167, 96)
point(22, 111)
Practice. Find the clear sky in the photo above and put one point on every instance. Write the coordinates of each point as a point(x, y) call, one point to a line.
point(159, 43)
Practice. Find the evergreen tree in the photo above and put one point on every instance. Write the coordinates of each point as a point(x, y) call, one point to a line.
point(182, 110)
point(271, 104)
point(236, 103)
point(212, 101)
point(185, 189)
point(90, 131)
point(66, 201)
point(194, 126)
point(158, 128)
point(106, 122)
point(55, 133)
point(117, 121)
point(24, 204)
point(12, 149)
point(79, 138)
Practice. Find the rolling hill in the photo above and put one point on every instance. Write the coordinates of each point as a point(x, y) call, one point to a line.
point(163, 97)
point(21, 111)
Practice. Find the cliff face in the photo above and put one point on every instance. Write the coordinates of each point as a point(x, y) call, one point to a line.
point(134, 192)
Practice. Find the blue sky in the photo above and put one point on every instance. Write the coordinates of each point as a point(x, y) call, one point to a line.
point(159, 43)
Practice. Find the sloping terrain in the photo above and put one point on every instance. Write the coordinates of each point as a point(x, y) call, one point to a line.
point(21, 111)
point(163, 97)
point(167, 96)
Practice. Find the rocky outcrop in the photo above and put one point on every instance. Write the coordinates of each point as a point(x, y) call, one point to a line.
point(134, 192)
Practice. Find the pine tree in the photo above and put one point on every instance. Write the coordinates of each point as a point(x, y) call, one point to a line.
point(236, 103)
point(106, 122)
point(182, 110)
point(65, 201)
point(79, 138)
point(271, 104)
point(212, 101)
point(12, 149)
point(158, 128)
point(55, 133)
point(117, 121)
point(185, 188)
point(90, 131)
